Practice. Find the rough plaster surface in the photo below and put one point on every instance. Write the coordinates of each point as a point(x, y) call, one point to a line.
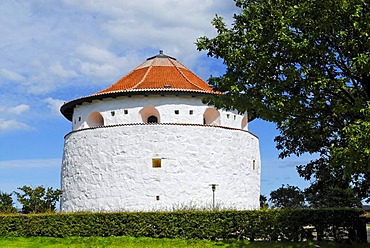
point(110, 168)
point(165, 105)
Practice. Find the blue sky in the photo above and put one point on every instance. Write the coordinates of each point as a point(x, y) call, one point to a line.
point(56, 51)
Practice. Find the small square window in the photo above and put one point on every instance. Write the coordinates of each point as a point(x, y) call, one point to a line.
point(125, 111)
point(228, 116)
point(156, 163)
point(112, 113)
point(157, 197)
point(190, 112)
point(177, 112)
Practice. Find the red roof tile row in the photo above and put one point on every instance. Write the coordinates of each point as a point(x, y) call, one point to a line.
point(159, 72)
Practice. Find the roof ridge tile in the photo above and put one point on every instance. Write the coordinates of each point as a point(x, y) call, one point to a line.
point(186, 78)
point(145, 75)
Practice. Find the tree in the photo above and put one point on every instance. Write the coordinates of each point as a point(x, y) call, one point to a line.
point(263, 202)
point(329, 187)
point(38, 200)
point(304, 65)
point(287, 197)
point(6, 203)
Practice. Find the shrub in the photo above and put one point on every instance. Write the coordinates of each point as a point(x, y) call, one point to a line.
point(6, 203)
point(286, 225)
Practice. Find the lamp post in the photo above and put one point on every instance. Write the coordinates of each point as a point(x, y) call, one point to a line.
point(213, 193)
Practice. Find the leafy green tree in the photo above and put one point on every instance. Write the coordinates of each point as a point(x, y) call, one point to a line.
point(287, 197)
point(329, 187)
point(304, 65)
point(38, 199)
point(6, 203)
point(263, 202)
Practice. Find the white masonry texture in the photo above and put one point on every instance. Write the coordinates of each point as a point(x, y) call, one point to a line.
point(166, 106)
point(109, 167)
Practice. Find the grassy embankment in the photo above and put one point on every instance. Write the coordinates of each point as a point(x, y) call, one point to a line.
point(130, 242)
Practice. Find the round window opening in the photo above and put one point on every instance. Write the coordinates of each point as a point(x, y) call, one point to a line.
point(152, 119)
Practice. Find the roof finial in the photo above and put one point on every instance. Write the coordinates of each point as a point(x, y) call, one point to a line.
point(160, 55)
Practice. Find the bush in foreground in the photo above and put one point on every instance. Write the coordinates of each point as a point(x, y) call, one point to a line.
point(271, 225)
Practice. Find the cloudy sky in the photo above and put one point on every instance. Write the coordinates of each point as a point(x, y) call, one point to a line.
point(56, 51)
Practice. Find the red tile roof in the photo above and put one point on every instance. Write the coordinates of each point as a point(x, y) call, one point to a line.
point(159, 73)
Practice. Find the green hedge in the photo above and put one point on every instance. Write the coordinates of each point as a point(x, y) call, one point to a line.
point(335, 224)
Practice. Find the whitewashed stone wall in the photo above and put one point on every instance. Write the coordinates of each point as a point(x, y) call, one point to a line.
point(124, 110)
point(110, 168)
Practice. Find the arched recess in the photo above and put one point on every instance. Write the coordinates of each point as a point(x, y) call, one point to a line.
point(244, 124)
point(150, 114)
point(95, 119)
point(211, 117)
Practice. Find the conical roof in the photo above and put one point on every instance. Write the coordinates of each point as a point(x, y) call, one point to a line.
point(160, 74)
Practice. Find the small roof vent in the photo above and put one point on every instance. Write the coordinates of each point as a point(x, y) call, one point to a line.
point(161, 55)
point(167, 86)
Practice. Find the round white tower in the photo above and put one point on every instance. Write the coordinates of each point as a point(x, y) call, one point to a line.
point(149, 143)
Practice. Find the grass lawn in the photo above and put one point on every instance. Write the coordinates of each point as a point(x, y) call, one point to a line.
point(129, 242)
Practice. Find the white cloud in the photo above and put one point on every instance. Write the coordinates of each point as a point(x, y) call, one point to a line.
point(96, 54)
point(58, 70)
point(103, 66)
point(19, 109)
point(98, 62)
point(54, 105)
point(11, 75)
point(12, 125)
point(9, 117)
point(98, 70)
point(32, 163)
point(74, 43)
point(171, 25)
